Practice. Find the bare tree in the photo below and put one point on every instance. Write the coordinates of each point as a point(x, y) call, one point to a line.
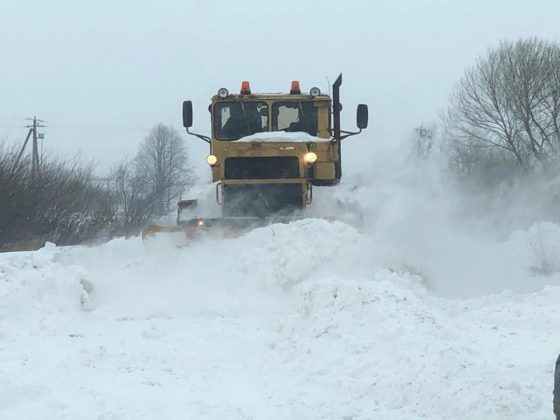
point(505, 110)
point(67, 205)
point(129, 205)
point(162, 163)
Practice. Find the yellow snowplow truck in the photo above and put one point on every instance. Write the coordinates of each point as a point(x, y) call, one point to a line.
point(267, 151)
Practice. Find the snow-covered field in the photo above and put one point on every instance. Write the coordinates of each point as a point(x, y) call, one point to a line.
point(308, 320)
point(423, 304)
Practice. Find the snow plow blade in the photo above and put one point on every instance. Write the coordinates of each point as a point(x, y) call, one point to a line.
point(226, 227)
point(153, 230)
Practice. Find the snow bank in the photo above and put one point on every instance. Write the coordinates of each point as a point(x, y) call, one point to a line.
point(418, 308)
point(245, 275)
point(299, 320)
point(395, 351)
point(34, 285)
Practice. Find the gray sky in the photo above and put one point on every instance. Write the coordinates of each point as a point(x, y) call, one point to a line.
point(102, 73)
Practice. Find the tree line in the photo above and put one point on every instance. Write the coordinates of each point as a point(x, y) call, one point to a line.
point(503, 118)
point(67, 204)
point(502, 123)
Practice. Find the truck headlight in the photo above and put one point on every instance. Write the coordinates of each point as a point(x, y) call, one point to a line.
point(211, 160)
point(223, 93)
point(310, 158)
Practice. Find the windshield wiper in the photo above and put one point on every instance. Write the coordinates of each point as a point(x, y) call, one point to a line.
point(302, 113)
point(245, 116)
point(261, 195)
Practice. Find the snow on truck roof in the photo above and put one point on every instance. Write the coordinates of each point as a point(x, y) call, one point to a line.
point(282, 136)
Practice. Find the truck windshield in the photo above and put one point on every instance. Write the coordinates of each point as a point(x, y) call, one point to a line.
point(233, 120)
point(294, 116)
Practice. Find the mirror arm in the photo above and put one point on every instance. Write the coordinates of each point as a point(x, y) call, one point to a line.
point(349, 133)
point(200, 136)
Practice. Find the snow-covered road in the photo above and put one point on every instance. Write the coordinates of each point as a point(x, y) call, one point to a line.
point(295, 321)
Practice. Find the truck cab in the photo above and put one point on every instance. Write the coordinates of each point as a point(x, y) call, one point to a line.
point(267, 150)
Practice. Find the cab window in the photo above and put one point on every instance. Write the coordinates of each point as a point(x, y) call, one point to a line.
point(294, 116)
point(233, 120)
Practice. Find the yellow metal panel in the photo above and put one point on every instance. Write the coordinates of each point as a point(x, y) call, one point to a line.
point(323, 170)
point(216, 173)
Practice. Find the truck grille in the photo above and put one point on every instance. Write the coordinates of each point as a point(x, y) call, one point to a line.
point(279, 167)
point(262, 200)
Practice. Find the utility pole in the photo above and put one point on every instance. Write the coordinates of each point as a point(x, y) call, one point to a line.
point(35, 166)
point(424, 142)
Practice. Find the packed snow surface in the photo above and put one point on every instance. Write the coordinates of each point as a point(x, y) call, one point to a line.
point(307, 320)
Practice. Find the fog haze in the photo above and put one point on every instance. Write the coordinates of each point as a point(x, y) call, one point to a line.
point(103, 73)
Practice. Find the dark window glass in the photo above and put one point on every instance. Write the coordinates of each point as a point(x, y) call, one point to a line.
point(294, 116)
point(233, 120)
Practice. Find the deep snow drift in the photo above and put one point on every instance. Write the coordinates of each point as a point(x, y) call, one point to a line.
point(294, 321)
point(425, 305)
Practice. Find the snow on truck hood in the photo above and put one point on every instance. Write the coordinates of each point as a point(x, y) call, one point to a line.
point(282, 136)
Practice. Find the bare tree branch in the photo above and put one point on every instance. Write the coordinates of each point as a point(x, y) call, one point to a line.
point(510, 102)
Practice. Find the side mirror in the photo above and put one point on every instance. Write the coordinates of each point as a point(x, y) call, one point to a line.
point(362, 116)
point(187, 114)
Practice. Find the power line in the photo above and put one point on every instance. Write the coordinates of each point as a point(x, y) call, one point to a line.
point(83, 127)
point(97, 127)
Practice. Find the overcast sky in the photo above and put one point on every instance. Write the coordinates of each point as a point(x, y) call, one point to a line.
point(102, 73)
